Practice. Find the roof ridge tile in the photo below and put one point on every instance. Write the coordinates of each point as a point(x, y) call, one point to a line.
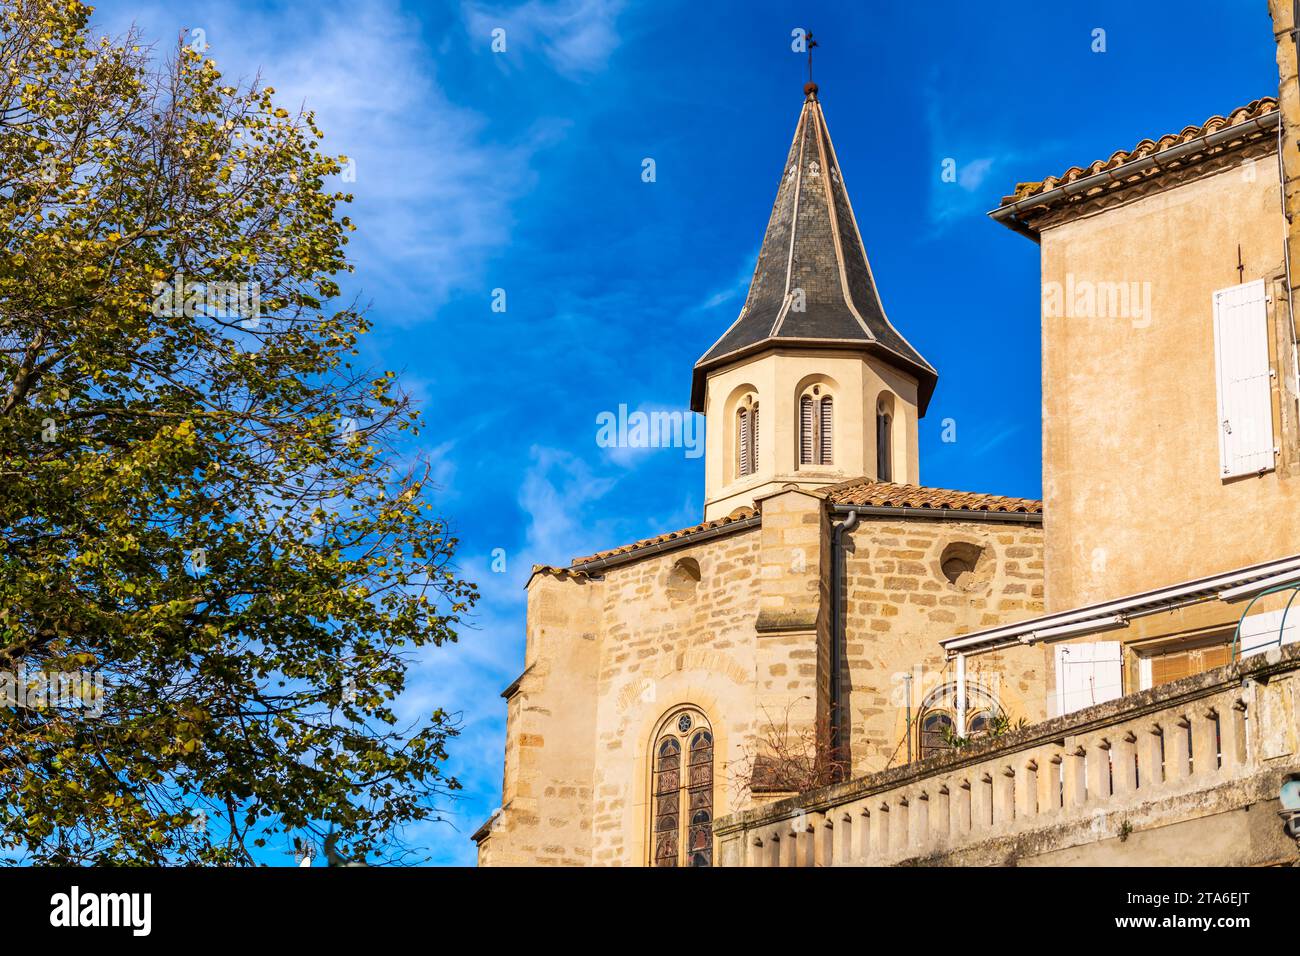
point(1145, 147)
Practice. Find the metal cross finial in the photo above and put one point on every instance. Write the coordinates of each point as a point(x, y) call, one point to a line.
point(811, 43)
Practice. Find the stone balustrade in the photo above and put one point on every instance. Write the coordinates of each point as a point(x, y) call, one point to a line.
point(1208, 744)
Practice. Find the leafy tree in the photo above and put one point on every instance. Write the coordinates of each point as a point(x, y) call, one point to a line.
point(202, 500)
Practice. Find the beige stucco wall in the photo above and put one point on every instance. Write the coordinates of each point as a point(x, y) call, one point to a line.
point(778, 378)
point(1131, 477)
point(899, 605)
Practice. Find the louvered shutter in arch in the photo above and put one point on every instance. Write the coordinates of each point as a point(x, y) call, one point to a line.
point(753, 439)
point(1245, 386)
point(806, 430)
point(742, 442)
point(827, 432)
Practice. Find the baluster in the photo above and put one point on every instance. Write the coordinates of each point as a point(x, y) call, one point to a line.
point(1150, 760)
point(1232, 730)
point(806, 842)
point(899, 829)
point(862, 837)
point(880, 832)
point(921, 822)
point(1205, 744)
point(825, 836)
point(1004, 795)
point(940, 814)
point(789, 846)
point(1026, 794)
point(982, 802)
point(1124, 764)
point(1098, 769)
point(1178, 750)
point(843, 839)
point(961, 812)
point(1076, 787)
point(1049, 785)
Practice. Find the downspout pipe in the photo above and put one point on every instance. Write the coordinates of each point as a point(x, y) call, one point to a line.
point(1287, 226)
point(961, 695)
point(838, 644)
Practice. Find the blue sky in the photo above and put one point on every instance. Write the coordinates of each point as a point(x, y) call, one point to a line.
point(521, 171)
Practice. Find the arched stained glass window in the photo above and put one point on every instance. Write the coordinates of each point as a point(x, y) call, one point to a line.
point(699, 842)
point(682, 822)
point(937, 728)
point(937, 722)
point(667, 787)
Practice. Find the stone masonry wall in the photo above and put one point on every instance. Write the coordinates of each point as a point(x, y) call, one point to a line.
point(550, 743)
point(899, 605)
point(667, 644)
point(738, 626)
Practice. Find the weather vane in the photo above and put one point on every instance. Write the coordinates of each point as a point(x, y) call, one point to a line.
point(811, 43)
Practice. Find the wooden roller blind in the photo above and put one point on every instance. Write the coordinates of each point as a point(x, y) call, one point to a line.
point(1173, 665)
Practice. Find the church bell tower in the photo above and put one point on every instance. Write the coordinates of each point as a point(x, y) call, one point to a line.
point(811, 385)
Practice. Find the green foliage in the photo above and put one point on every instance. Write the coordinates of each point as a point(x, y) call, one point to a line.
point(999, 725)
point(206, 508)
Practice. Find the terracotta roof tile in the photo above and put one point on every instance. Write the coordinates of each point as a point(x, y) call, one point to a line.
point(740, 514)
point(859, 491)
point(884, 494)
point(1145, 148)
point(558, 572)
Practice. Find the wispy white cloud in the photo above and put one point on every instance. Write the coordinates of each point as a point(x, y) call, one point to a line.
point(997, 438)
point(433, 192)
point(985, 166)
point(576, 37)
point(554, 494)
point(738, 286)
point(649, 428)
point(972, 175)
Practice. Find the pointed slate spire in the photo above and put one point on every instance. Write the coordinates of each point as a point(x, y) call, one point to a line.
point(812, 284)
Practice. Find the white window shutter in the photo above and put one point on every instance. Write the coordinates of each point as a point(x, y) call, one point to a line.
point(1244, 380)
point(1087, 673)
point(1264, 630)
